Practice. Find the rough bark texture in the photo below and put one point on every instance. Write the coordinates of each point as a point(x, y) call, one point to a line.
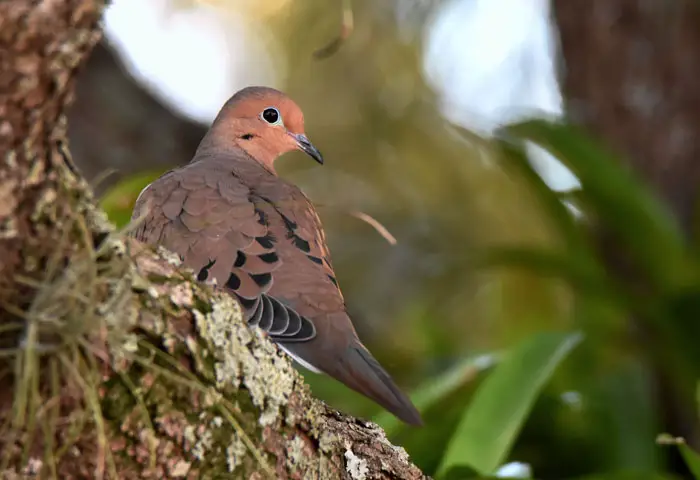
point(631, 70)
point(155, 376)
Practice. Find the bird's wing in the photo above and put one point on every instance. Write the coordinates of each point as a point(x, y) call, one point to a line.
point(221, 230)
point(272, 254)
point(300, 239)
point(307, 277)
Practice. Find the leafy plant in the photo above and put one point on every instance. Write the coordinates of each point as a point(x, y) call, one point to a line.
point(500, 406)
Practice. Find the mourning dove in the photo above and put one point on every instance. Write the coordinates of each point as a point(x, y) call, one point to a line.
point(231, 218)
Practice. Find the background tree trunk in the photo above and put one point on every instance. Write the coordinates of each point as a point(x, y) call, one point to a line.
point(630, 77)
point(143, 373)
point(113, 122)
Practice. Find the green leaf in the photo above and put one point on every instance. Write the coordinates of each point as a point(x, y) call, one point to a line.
point(118, 201)
point(640, 221)
point(692, 459)
point(500, 406)
point(435, 389)
point(627, 429)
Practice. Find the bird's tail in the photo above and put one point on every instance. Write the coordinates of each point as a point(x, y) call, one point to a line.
point(359, 370)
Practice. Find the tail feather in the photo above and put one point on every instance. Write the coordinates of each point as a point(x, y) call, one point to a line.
point(359, 370)
point(352, 364)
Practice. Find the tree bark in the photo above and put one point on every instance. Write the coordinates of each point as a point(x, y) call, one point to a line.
point(631, 70)
point(126, 367)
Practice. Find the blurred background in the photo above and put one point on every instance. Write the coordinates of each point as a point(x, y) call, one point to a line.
point(408, 110)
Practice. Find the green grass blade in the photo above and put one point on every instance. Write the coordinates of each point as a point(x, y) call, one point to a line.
point(500, 406)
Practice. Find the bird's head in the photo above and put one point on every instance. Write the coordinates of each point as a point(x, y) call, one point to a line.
point(265, 123)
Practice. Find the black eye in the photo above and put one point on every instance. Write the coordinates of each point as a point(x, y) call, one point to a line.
point(271, 115)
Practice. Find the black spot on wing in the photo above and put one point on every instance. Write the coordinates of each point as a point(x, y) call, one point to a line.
point(204, 272)
point(262, 217)
point(262, 280)
point(291, 227)
point(301, 244)
point(240, 259)
point(315, 259)
point(267, 241)
point(332, 279)
point(271, 257)
point(289, 224)
point(233, 282)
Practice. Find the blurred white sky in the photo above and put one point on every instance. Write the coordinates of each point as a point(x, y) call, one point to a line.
point(491, 61)
point(193, 55)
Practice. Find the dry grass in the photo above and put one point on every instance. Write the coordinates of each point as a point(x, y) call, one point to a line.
point(76, 334)
point(62, 340)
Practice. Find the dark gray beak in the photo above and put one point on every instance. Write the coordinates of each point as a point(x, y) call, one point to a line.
point(306, 146)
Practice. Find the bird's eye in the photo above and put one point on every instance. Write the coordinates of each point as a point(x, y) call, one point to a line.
point(271, 115)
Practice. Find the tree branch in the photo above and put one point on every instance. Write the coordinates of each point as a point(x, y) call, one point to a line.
point(129, 368)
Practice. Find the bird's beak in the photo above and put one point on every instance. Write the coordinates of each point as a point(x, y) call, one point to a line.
point(306, 146)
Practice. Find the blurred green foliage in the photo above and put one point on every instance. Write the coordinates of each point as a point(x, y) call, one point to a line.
point(499, 407)
point(490, 262)
point(119, 200)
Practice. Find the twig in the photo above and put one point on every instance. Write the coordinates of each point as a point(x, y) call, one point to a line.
point(374, 223)
point(346, 27)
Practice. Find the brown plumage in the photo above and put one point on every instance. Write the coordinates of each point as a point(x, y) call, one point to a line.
point(231, 218)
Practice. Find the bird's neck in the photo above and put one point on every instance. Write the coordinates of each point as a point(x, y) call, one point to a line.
point(259, 152)
point(236, 153)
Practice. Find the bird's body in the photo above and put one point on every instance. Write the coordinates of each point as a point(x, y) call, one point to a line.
point(232, 219)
